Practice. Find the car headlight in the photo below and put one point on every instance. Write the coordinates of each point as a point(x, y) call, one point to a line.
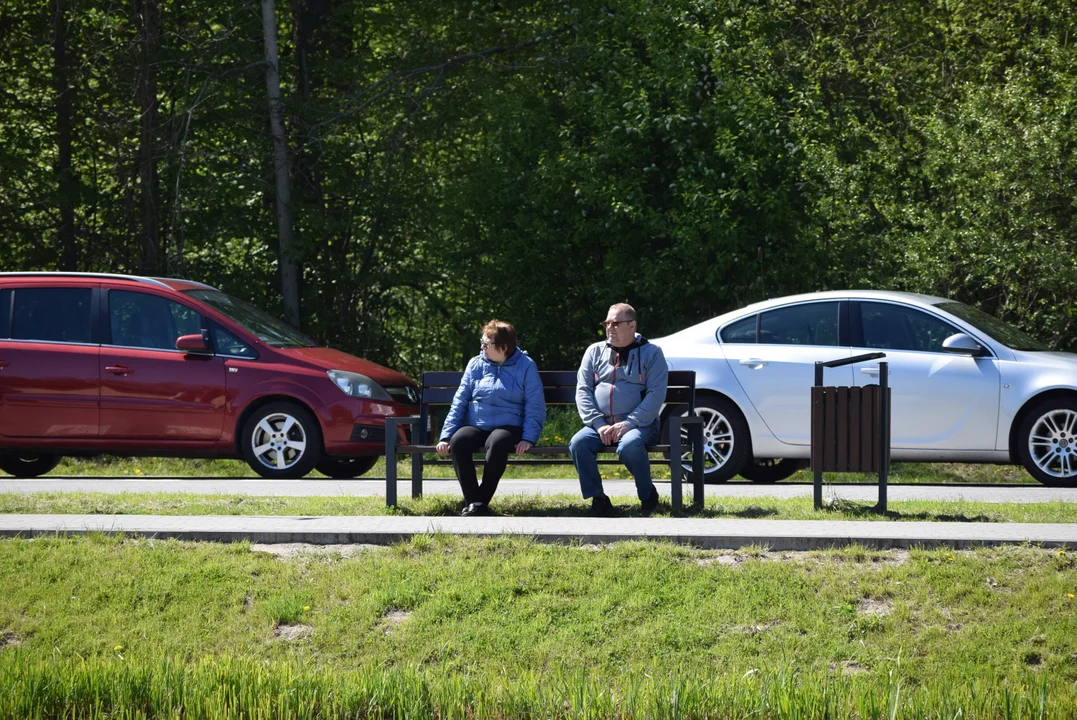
point(358, 385)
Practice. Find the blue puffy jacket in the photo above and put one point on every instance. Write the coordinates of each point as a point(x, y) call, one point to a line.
point(493, 395)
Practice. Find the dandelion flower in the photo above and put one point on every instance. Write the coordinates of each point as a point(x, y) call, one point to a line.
point(1069, 595)
point(118, 648)
point(306, 608)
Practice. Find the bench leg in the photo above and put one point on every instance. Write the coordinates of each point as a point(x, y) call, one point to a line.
point(675, 463)
point(696, 431)
point(417, 458)
point(391, 425)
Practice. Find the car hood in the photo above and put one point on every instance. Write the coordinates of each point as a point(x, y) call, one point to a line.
point(1060, 360)
point(329, 359)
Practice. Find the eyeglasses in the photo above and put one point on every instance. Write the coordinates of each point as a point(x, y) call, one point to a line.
point(610, 324)
point(485, 343)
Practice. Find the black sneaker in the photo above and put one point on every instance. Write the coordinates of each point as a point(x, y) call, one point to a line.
point(650, 504)
point(602, 507)
point(476, 509)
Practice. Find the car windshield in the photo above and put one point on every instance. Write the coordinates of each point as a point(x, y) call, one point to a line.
point(265, 327)
point(1005, 333)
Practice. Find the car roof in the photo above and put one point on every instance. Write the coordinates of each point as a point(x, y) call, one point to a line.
point(897, 295)
point(170, 283)
point(711, 325)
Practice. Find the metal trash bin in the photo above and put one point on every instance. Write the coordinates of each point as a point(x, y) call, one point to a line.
point(850, 427)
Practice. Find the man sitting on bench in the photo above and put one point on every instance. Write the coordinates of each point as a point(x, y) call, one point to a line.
point(620, 388)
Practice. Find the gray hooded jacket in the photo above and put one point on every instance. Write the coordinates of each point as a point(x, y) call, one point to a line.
point(610, 390)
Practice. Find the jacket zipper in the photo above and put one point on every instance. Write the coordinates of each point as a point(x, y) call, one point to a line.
point(613, 385)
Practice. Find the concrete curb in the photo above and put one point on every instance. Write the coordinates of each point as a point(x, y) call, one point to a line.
point(706, 533)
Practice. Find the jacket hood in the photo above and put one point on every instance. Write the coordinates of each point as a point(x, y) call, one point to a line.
point(509, 361)
point(328, 359)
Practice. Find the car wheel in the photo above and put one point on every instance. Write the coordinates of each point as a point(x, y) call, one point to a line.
point(769, 470)
point(1048, 442)
point(345, 468)
point(28, 466)
point(726, 441)
point(282, 440)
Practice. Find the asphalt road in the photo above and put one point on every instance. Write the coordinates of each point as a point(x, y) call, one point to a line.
point(376, 487)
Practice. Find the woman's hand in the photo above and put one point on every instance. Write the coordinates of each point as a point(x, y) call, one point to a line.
point(443, 448)
point(523, 446)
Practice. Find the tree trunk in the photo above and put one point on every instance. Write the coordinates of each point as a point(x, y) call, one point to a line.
point(288, 275)
point(148, 31)
point(64, 173)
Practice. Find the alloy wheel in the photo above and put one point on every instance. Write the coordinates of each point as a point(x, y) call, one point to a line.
point(1052, 443)
point(718, 440)
point(279, 441)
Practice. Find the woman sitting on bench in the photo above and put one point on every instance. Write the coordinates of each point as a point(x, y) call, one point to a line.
point(498, 406)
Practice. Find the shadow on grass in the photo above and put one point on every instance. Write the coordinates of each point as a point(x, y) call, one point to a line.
point(509, 507)
point(869, 512)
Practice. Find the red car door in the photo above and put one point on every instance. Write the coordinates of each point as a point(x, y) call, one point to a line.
point(149, 389)
point(49, 363)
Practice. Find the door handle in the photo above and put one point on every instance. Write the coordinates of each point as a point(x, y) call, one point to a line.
point(870, 371)
point(118, 369)
point(753, 363)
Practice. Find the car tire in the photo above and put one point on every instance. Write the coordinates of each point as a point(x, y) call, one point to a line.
point(769, 470)
point(346, 468)
point(28, 466)
point(281, 440)
point(1047, 442)
point(726, 440)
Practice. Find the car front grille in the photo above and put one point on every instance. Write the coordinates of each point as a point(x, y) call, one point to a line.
point(405, 395)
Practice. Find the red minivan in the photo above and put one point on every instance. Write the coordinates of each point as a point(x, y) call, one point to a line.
point(144, 366)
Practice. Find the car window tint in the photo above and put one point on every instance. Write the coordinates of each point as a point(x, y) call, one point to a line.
point(56, 314)
point(5, 313)
point(808, 324)
point(228, 344)
point(149, 321)
point(898, 327)
point(742, 331)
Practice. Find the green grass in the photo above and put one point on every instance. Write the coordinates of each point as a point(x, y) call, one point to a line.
point(521, 505)
point(109, 466)
point(507, 627)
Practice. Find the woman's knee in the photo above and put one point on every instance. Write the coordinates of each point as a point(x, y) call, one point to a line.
point(462, 438)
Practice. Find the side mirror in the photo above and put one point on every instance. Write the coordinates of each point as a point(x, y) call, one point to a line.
point(192, 344)
point(962, 344)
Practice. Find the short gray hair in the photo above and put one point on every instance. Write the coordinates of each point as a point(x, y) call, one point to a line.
point(628, 310)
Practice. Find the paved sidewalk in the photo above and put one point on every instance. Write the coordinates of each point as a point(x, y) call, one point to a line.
point(375, 487)
point(707, 533)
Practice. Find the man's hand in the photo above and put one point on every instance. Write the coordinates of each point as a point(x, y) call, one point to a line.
point(610, 434)
point(443, 448)
point(523, 446)
point(618, 430)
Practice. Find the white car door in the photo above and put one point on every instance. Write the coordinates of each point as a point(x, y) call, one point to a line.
point(773, 356)
point(939, 400)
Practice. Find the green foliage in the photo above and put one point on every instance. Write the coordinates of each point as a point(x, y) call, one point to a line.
point(537, 160)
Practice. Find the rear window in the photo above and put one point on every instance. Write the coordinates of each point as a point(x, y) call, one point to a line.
point(807, 324)
point(742, 331)
point(5, 313)
point(52, 314)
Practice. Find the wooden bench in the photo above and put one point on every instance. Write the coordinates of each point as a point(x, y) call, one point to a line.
point(559, 388)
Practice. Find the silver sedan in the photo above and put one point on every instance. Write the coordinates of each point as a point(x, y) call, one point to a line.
point(966, 387)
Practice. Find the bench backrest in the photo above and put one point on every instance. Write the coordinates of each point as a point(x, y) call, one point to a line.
point(559, 387)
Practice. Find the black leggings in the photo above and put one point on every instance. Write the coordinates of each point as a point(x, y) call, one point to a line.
point(498, 442)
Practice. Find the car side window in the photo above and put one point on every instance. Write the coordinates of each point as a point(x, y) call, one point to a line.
point(897, 327)
point(148, 321)
point(5, 313)
point(807, 324)
point(742, 331)
point(229, 345)
point(53, 314)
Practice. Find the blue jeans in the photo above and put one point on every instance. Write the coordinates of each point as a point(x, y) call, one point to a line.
point(631, 450)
